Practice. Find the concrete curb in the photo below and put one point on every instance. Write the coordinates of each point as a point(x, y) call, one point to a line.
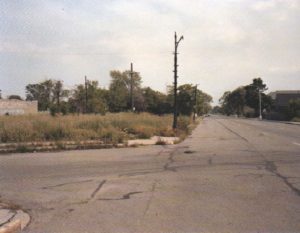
point(154, 140)
point(292, 123)
point(30, 147)
point(12, 218)
point(284, 122)
point(266, 120)
point(11, 227)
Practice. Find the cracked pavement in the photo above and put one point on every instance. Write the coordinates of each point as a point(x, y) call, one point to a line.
point(230, 175)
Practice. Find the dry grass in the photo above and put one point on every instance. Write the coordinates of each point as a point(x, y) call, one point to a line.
point(296, 119)
point(111, 128)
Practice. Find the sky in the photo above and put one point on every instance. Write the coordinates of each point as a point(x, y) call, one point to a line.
point(226, 43)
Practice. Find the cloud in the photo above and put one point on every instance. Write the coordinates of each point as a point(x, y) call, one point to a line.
point(227, 43)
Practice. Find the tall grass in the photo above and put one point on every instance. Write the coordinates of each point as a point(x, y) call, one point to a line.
point(111, 128)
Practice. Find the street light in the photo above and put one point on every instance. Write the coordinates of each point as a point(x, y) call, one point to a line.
point(195, 103)
point(260, 90)
point(175, 80)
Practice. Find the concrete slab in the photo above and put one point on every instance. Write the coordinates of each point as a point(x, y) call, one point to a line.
point(23, 217)
point(11, 227)
point(12, 221)
point(153, 140)
point(6, 215)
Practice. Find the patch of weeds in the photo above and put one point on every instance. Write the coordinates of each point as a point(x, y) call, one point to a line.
point(177, 141)
point(189, 152)
point(60, 145)
point(23, 149)
point(161, 142)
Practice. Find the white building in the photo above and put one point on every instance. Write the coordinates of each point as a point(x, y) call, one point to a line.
point(17, 107)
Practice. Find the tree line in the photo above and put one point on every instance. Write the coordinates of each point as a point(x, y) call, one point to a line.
point(90, 98)
point(244, 101)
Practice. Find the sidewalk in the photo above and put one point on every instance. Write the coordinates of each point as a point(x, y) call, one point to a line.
point(12, 220)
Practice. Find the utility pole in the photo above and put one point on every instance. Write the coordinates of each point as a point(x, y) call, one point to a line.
point(259, 97)
point(260, 90)
point(195, 103)
point(86, 93)
point(175, 80)
point(131, 87)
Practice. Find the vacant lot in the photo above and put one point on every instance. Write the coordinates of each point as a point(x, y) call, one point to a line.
point(111, 128)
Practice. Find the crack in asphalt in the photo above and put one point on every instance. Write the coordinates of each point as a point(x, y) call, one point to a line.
point(170, 161)
point(189, 151)
point(63, 184)
point(235, 133)
point(140, 173)
point(210, 161)
point(207, 165)
point(254, 175)
point(8, 220)
point(150, 199)
point(270, 166)
point(97, 189)
point(124, 197)
point(166, 166)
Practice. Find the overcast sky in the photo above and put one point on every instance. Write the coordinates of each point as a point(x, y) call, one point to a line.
point(226, 43)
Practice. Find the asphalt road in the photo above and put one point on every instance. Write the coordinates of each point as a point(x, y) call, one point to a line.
point(230, 175)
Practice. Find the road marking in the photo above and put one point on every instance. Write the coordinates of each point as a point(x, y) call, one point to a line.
point(298, 144)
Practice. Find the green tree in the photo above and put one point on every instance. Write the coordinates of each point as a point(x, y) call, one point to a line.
point(185, 99)
point(49, 95)
point(203, 105)
point(14, 97)
point(226, 105)
point(119, 91)
point(216, 109)
point(236, 101)
point(294, 108)
point(187, 102)
point(58, 93)
point(156, 102)
point(252, 95)
point(96, 102)
point(42, 92)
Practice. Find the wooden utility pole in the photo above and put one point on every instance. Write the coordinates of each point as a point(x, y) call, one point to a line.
point(195, 103)
point(131, 87)
point(175, 80)
point(86, 93)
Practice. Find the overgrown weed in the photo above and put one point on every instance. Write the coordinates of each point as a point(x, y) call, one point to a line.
point(112, 128)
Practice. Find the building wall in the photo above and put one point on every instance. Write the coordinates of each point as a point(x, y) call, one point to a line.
point(283, 99)
point(18, 107)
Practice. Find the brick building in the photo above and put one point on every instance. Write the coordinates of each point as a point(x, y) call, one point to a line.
point(17, 107)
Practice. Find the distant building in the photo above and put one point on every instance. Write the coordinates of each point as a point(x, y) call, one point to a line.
point(282, 98)
point(17, 107)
